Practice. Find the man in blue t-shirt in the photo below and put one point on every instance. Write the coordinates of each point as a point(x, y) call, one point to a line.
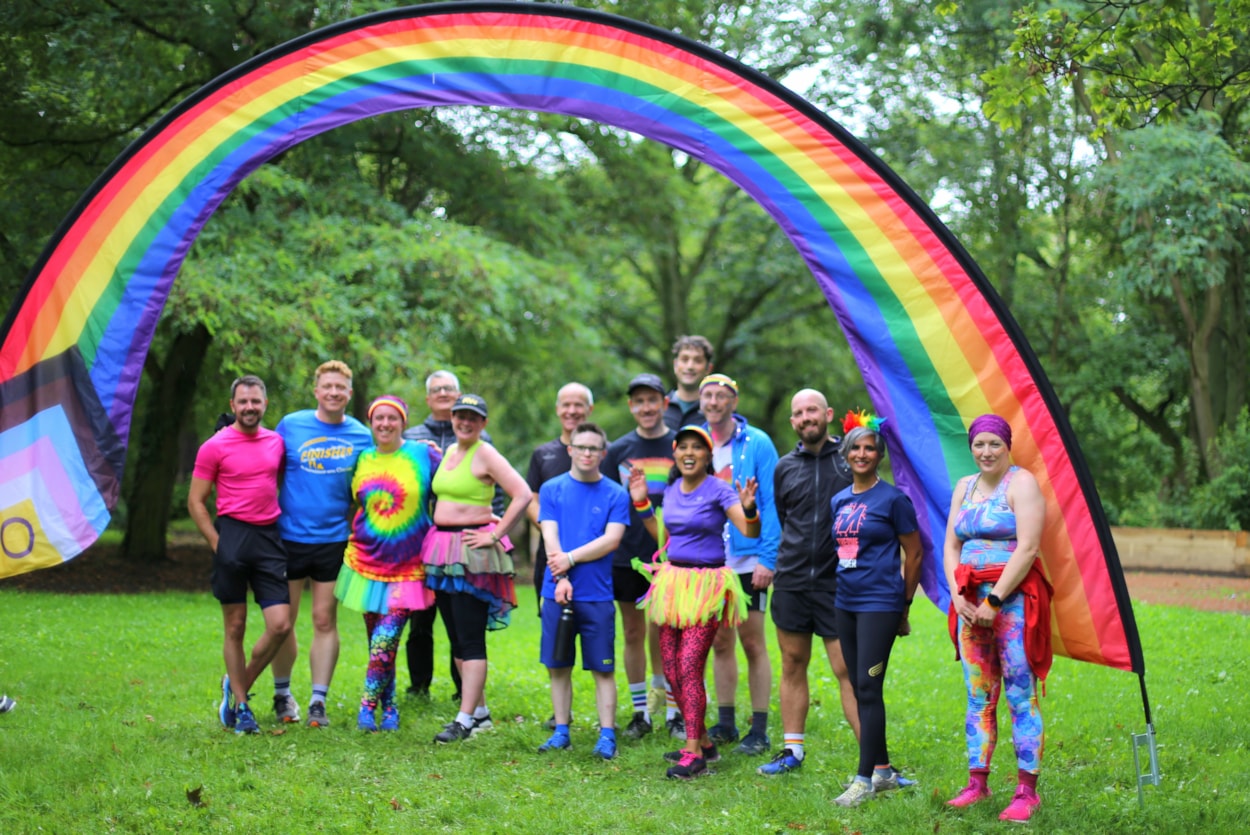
point(582, 517)
point(322, 445)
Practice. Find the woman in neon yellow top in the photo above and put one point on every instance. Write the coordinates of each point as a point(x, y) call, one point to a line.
point(466, 555)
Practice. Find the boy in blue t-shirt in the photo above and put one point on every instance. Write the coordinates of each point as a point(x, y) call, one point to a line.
point(582, 516)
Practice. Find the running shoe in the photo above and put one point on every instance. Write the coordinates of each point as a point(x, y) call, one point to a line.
point(453, 731)
point(856, 793)
point(550, 724)
point(317, 715)
point(690, 765)
point(557, 742)
point(638, 727)
point(754, 745)
point(480, 725)
point(676, 727)
point(390, 719)
point(888, 784)
point(286, 709)
point(710, 755)
point(722, 734)
point(972, 793)
point(365, 720)
point(605, 748)
point(422, 693)
point(1022, 806)
point(657, 701)
point(225, 712)
point(783, 763)
point(7, 704)
point(244, 721)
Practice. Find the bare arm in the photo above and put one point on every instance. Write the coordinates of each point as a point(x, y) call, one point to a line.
point(910, 543)
point(638, 493)
point(197, 506)
point(503, 474)
point(951, 551)
point(738, 514)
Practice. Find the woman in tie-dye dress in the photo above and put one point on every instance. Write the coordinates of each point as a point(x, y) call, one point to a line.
point(1000, 610)
point(382, 573)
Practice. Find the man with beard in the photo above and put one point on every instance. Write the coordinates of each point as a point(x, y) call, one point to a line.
point(741, 452)
point(242, 461)
point(805, 583)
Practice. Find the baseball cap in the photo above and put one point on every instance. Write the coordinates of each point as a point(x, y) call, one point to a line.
point(694, 429)
point(646, 381)
point(470, 403)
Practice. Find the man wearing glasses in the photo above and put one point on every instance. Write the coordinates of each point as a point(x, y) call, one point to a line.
point(441, 390)
point(582, 517)
point(739, 452)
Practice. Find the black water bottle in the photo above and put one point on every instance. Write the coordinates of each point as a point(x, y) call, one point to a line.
point(564, 634)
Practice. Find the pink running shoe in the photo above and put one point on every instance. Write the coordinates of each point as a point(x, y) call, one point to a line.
point(1022, 805)
point(972, 793)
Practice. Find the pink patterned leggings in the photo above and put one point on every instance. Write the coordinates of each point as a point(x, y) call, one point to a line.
point(685, 661)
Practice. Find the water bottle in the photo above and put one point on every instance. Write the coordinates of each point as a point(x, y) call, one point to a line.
point(564, 634)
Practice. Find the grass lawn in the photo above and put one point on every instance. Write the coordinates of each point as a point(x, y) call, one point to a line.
point(116, 731)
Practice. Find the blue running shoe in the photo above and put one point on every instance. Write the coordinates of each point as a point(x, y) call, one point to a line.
point(605, 748)
point(226, 710)
point(390, 718)
point(557, 742)
point(783, 763)
point(365, 720)
point(245, 722)
point(754, 744)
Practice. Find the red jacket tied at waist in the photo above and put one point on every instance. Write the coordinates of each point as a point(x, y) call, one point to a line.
point(1036, 590)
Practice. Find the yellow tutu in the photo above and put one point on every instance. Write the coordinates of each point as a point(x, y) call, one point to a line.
point(684, 597)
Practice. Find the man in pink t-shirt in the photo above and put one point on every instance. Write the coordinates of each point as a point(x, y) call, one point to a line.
point(243, 460)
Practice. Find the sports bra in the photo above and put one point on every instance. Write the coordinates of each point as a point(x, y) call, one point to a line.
point(459, 485)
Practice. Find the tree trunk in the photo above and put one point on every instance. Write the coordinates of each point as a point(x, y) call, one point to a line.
point(156, 468)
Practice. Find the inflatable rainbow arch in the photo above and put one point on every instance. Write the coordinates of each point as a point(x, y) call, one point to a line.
point(934, 342)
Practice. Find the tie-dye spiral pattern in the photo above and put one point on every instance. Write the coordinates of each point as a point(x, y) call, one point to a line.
point(393, 494)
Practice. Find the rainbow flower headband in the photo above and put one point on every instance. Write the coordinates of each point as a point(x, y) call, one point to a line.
point(864, 419)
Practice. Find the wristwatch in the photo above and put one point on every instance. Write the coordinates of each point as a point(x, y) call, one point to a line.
point(995, 602)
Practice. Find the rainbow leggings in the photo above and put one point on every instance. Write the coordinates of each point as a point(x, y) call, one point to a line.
point(993, 657)
point(384, 632)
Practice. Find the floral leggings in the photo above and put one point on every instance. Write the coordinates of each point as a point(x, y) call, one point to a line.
point(993, 657)
point(685, 653)
point(384, 632)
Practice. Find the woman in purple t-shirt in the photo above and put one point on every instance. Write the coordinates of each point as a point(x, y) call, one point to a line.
point(692, 591)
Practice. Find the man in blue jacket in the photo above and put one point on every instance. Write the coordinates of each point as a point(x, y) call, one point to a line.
point(740, 452)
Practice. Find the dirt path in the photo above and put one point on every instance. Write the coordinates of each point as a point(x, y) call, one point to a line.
point(101, 570)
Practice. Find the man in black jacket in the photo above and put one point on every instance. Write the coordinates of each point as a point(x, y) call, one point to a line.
point(805, 582)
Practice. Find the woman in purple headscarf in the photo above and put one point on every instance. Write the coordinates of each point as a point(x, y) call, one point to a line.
point(1000, 610)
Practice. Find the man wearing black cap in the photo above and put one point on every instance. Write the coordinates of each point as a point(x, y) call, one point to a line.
point(650, 448)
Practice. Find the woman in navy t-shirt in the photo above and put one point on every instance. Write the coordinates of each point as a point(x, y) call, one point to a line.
point(872, 521)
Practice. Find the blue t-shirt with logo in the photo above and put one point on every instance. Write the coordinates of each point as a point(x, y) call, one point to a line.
point(582, 511)
point(866, 528)
point(316, 494)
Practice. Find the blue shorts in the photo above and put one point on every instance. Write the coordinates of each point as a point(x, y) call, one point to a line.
point(594, 621)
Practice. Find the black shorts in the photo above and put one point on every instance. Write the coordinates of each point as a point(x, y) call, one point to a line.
point(757, 599)
point(319, 560)
point(628, 584)
point(249, 555)
point(805, 613)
